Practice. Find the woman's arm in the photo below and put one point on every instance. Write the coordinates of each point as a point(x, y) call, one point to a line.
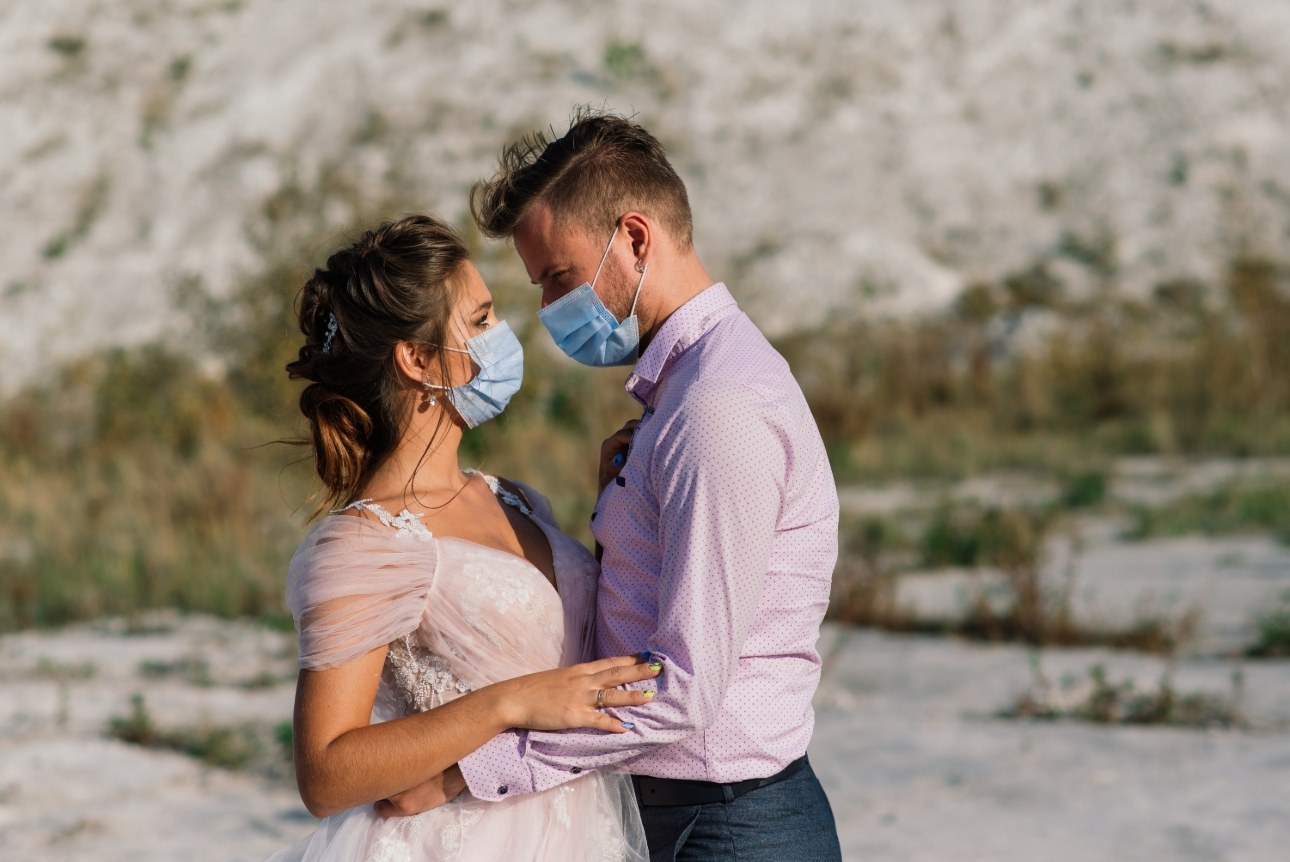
point(342, 760)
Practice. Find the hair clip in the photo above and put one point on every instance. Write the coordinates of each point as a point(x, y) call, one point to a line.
point(331, 332)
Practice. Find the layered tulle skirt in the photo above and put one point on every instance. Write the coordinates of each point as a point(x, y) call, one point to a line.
point(581, 821)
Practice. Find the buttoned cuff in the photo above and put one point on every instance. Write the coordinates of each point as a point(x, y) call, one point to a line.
point(496, 770)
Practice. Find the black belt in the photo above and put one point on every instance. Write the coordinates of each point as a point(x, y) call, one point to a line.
point(653, 791)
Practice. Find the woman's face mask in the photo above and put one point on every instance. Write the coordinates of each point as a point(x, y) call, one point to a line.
point(500, 358)
point(588, 331)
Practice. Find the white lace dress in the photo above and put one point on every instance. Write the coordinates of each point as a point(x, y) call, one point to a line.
point(456, 616)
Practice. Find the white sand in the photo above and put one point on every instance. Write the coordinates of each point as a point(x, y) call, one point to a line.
point(917, 768)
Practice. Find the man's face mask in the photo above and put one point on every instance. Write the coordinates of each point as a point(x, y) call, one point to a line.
point(588, 331)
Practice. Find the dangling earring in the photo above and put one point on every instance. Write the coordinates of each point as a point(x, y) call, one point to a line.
point(640, 265)
point(428, 398)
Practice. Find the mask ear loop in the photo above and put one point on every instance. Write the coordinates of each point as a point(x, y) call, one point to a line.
point(641, 267)
point(604, 256)
point(430, 399)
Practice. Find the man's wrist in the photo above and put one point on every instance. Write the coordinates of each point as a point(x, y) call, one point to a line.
point(496, 770)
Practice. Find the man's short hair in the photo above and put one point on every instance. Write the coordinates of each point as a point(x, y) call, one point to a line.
point(603, 166)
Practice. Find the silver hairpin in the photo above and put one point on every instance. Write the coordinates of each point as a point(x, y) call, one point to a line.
point(331, 332)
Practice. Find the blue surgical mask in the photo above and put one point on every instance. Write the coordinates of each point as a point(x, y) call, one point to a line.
point(500, 358)
point(588, 331)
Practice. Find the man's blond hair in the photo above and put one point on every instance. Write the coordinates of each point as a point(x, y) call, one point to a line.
point(603, 166)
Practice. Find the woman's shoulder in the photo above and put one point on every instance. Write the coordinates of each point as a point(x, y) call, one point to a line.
point(349, 548)
point(354, 585)
point(525, 495)
point(345, 526)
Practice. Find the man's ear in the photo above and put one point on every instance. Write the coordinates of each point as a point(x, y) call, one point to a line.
point(640, 230)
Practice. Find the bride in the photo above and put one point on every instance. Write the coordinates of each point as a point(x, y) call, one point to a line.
point(436, 606)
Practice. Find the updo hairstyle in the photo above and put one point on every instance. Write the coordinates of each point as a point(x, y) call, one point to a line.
point(396, 283)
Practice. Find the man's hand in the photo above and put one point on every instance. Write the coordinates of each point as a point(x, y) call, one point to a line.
point(443, 788)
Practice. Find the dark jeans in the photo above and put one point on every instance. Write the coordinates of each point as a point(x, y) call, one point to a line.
point(789, 821)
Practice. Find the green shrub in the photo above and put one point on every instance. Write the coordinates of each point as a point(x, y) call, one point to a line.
point(1104, 701)
point(1274, 632)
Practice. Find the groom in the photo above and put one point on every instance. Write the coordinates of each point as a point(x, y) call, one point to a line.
point(720, 531)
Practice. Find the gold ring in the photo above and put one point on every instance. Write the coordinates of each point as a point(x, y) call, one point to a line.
point(600, 698)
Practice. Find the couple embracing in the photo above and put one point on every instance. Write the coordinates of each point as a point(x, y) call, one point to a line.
point(474, 685)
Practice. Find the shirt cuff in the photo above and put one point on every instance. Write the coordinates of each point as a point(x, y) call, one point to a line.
point(496, 770)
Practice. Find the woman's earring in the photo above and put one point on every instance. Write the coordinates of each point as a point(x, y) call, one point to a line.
point(428, 398)
point(640, 265)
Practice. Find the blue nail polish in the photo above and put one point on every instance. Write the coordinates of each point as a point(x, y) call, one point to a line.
point(644, 655)
point(628, 725)
point(618, 460)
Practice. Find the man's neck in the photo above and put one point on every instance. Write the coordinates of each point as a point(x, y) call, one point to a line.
point(678, 283)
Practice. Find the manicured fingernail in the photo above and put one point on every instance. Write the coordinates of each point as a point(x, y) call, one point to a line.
point(647, 694)
point(644, 655)
point(627, 725)
point(618, 460)
point(655, 666)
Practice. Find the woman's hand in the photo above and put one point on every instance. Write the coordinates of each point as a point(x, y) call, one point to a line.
point(573, 696)
point(551, 700)
point(613, 453)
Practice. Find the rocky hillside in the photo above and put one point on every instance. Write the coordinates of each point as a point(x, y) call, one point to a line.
point(861, 157)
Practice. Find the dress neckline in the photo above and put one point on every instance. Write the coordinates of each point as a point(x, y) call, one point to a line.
point(408, 523)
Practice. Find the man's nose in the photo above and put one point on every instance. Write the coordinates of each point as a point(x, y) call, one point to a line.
point(551, 294)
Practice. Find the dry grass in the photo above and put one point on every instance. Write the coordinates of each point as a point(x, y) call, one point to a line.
point(1016, 596)
point(1100, 700)
point(139, 479)
point(1194, 371)
point(264, 749)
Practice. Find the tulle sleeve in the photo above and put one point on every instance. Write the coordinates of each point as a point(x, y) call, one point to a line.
point(355, 585)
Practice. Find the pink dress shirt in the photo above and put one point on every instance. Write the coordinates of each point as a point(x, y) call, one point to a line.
point(720, 538)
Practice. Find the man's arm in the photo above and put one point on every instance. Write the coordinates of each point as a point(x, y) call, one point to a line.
point(439, 790)
point(718, 474)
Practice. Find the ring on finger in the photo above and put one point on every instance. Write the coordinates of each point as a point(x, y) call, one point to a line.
point(600, 698)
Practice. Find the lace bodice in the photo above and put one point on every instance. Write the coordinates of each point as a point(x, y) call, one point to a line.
point(497, 591)
point(454, 616)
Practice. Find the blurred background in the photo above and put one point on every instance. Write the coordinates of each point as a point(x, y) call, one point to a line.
point(1027, 258)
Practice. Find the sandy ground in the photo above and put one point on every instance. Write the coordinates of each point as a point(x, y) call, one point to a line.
point(906, 744)
point(68, 791)
point(919, 770)
point(908, 741)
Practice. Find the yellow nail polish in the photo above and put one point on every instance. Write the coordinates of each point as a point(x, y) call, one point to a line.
point(655, 665)
point(648, 694)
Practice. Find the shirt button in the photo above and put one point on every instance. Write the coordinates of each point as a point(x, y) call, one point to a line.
point(502, 790)
point(593, 515)
point(620, 481)
point(575, 770)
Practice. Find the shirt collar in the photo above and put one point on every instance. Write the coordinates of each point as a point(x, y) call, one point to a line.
point(682, 328)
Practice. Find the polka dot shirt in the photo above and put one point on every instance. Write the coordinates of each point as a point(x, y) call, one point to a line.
point(720, 538)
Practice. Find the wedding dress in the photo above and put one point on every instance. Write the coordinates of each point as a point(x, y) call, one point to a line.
point(457, 616)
